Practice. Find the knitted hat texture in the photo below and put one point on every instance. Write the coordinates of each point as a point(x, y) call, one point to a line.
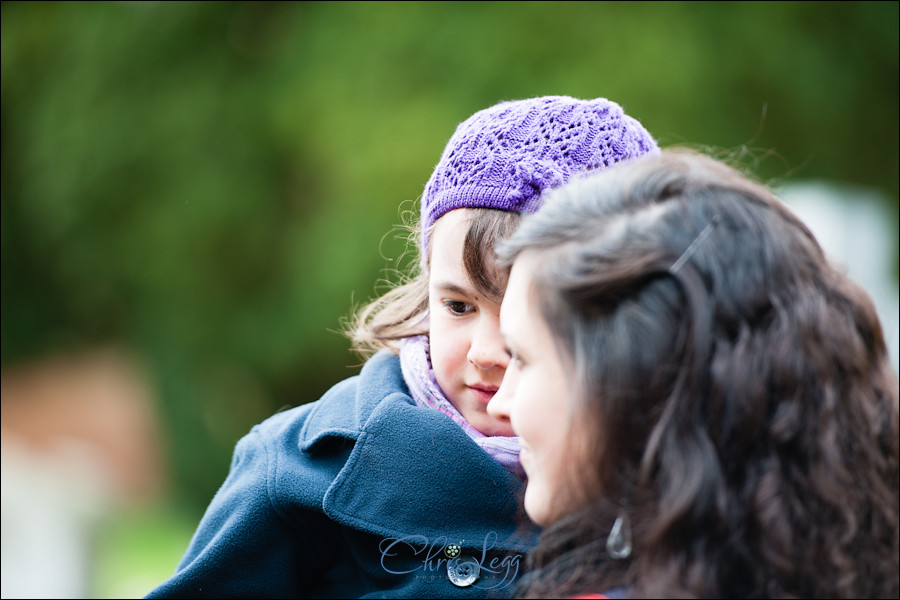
point(505, 156)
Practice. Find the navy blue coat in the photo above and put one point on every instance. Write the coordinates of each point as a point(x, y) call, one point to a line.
point(360, 494)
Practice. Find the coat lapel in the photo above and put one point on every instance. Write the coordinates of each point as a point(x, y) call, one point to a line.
point(412, 471)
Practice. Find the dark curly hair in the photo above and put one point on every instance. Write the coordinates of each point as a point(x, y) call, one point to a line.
point(743, 407)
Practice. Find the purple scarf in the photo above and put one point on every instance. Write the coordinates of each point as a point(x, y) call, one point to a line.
point(415, 361)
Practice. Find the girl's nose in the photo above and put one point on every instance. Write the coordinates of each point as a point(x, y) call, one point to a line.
point(487, 349)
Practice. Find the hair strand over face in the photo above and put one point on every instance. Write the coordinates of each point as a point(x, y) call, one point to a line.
point(402, 311)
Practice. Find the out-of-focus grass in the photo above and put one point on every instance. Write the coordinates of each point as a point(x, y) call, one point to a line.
point(138, 549)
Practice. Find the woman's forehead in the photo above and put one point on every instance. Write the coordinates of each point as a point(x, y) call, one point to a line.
point(517, 312)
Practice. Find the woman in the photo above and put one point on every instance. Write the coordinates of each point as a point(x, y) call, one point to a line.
point(705, 405)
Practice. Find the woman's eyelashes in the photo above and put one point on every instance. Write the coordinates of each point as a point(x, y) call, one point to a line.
point(514, 358)
point(458, 307)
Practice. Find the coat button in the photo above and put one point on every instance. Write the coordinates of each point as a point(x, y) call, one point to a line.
point(463, 571)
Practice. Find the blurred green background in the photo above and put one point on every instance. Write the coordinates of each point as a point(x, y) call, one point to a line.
point(211, 186)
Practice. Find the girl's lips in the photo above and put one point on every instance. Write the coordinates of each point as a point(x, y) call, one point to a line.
point(483, 394)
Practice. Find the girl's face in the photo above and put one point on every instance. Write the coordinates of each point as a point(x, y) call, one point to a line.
point(536, 396)
point(467, 350)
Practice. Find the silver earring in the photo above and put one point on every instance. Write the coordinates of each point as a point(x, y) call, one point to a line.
point(618, 543)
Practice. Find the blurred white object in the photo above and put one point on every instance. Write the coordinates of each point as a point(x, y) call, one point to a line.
point(856, 230)
point(51, 505)
point(79, 441)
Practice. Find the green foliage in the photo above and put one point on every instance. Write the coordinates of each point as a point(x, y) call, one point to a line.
point(211, 183)
point(135, 550)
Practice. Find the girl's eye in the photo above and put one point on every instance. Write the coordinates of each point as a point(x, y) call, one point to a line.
point(457, 307)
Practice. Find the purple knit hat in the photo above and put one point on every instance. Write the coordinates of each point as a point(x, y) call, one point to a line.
point(505, 156)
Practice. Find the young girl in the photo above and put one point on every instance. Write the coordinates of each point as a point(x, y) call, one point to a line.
point(706, 405)
point(398, 483)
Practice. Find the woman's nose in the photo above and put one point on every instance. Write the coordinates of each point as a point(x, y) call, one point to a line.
point(500, 405)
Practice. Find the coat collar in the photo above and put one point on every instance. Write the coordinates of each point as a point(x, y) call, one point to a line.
point(412, 472)
point(332, 418)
